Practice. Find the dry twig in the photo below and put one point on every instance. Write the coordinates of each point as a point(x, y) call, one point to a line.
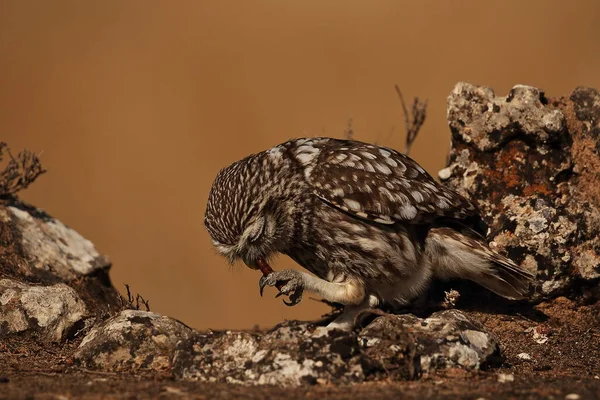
point(19, 173)
point(134, 302)
point(413, 122)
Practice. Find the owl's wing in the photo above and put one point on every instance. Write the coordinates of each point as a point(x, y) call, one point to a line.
point(381, 184)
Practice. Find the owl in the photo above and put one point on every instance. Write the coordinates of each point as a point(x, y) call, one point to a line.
point(367, 223)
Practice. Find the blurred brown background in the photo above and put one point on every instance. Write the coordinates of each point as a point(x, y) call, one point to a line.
point(137, 104)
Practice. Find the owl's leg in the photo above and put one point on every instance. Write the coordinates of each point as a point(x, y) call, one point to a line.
point(351, 315)
point(348, 292)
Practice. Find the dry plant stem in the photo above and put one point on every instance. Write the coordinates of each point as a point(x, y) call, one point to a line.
point(134, 302)
point(412, 124)
point(20, 172)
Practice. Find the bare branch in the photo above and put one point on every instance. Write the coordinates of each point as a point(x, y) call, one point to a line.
point(134, 303)
point(412, 123)
point(129, 296)
point(139, 299)
point(19, 173)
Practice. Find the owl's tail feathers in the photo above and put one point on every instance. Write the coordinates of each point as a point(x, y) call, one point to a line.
point(454, 255)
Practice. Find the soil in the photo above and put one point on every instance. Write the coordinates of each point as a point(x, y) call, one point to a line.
point(561, 338)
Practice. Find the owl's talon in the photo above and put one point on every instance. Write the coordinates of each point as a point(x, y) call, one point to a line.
point(289, 304)
point(290, 283)
point(261, 284)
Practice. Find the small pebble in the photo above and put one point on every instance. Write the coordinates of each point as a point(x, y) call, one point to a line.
point(504, 378)
point(445, 174)
point(524, 356)
point(173, 390)
point(572, 396)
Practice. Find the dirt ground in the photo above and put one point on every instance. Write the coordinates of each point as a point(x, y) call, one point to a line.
point(561, 340)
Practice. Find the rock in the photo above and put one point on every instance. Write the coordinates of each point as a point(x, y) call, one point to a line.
point(446, 339)
point(524, 356)
point(41, 253)
point(53, 311)
point(288, 355)
point(486, 121)
point(291, 354)
point(130, 341)
point(51, 247)
point(505, 378)
point(539, 334)
point(532, 165)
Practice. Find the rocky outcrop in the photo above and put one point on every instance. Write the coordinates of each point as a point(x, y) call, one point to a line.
point(532, 165)
point(132, 340)
point(52, 279)
point(292, 353)
point(51, 248)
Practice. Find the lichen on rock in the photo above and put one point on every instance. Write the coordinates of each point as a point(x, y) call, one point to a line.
point(53, 311)
point(52, 247)
point(525, 160)
point(293, 353)
point(60, 277)
point(130, 341)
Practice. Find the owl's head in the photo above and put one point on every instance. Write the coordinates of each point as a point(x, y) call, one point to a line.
point(244, 216)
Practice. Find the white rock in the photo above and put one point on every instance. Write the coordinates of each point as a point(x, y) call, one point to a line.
point(52, 310)
point(128, 341)
point(52, 246)
point(445, 174)
point(504, 378)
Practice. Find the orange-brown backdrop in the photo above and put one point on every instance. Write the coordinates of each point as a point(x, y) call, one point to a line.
point(137, 104)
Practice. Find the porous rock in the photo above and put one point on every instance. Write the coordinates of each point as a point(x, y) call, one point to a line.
point(53, 311)
point(446, 339)
point(291, 354)
point(130, 341)
point(532, 165)
point(288, 355)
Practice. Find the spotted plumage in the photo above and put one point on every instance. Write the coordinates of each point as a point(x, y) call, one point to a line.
point(370, 223)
